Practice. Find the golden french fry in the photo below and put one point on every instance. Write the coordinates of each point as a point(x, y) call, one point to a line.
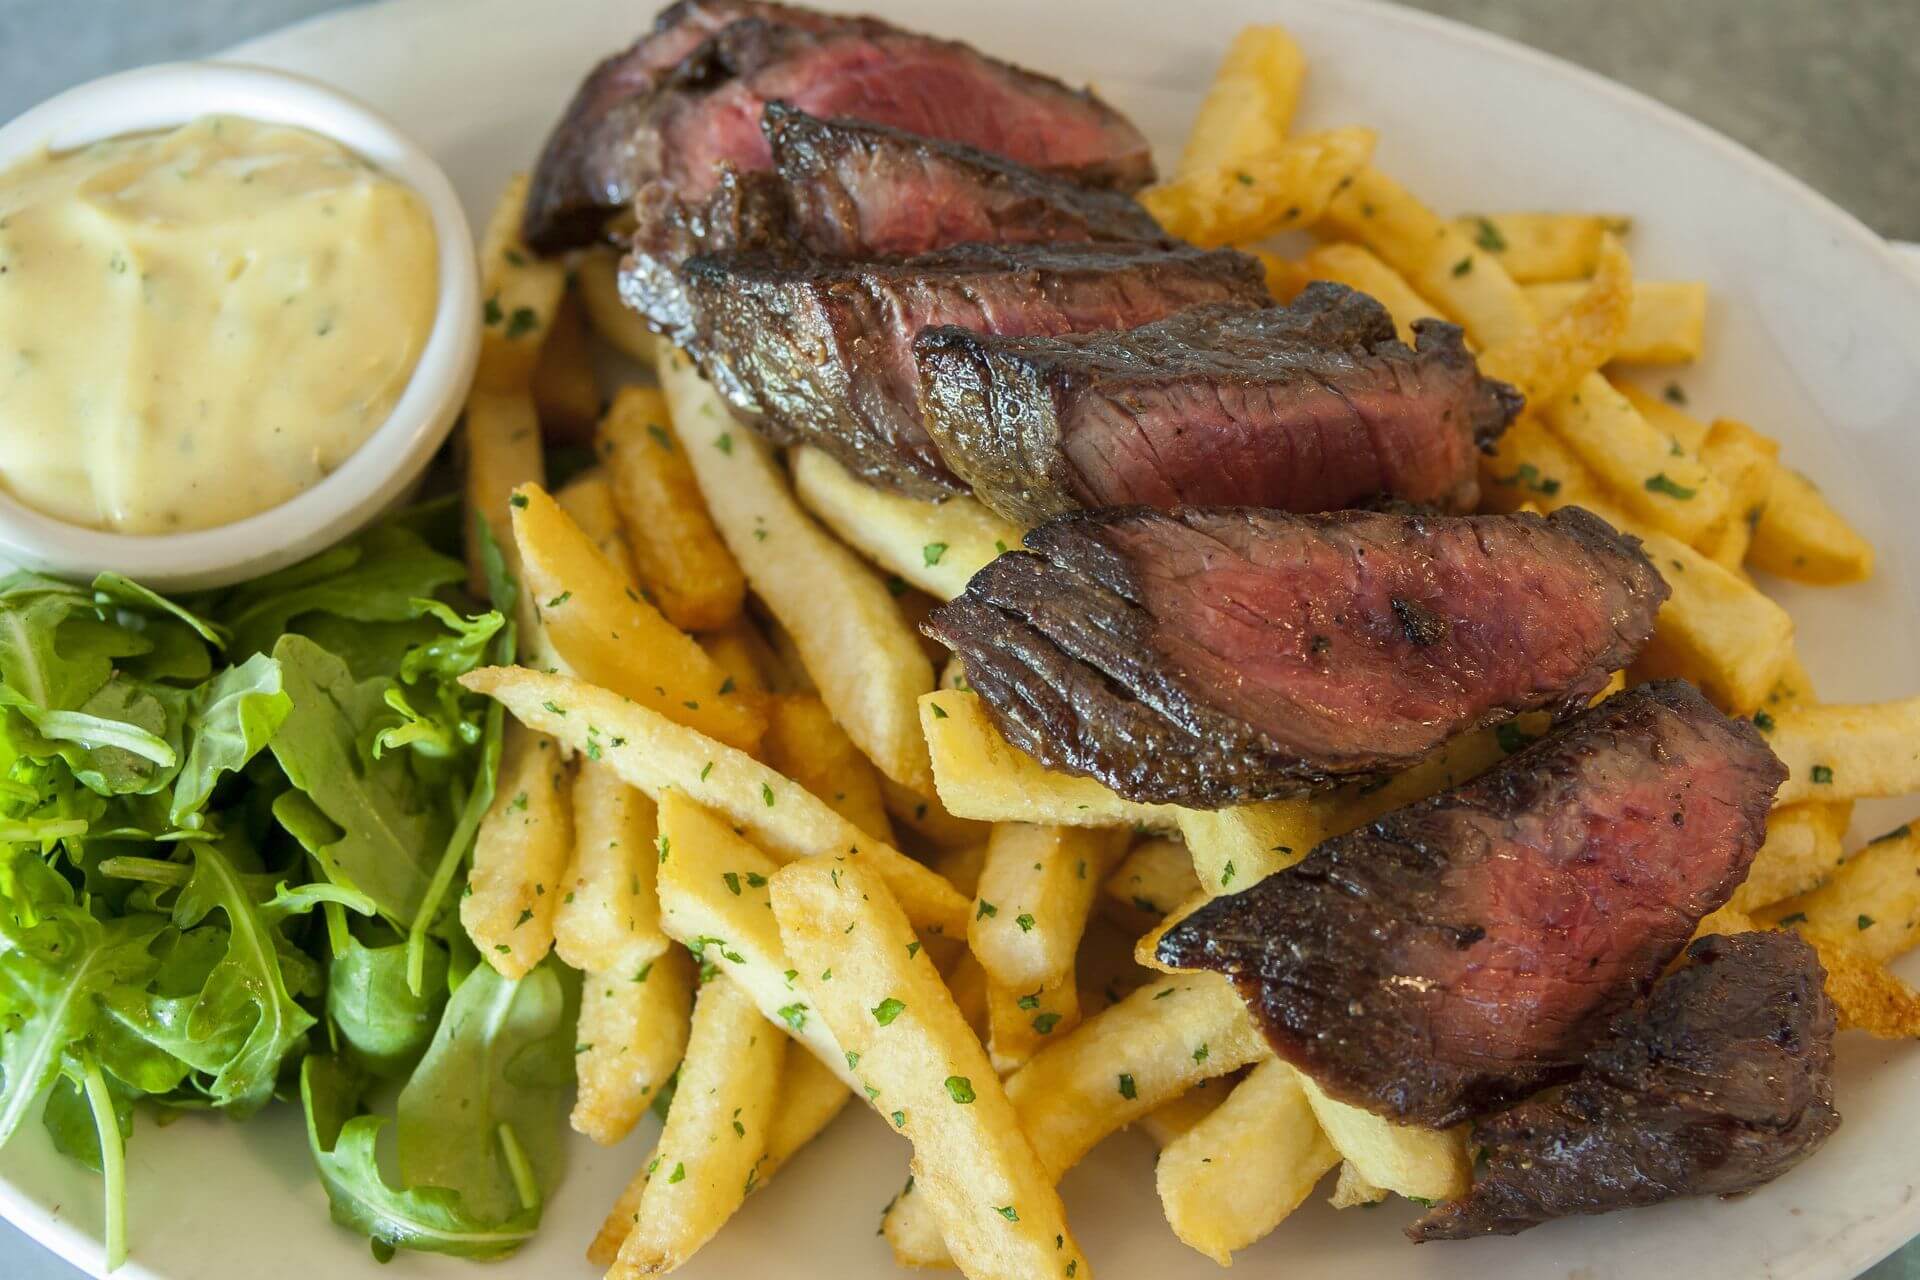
point(598, 279)
point(565, 390)
point(1234, 1176)
point(1529, 467)
point(608, 916)
point(742, 652)
point(500, 438)
point(1021, 1022)
point(588, 501)
point(632, 1032)
point(1666, 323)
point(1803, 847)
point(1031, 905)
point(1169, 1120)
point(1871, 903)
point(1285, 277)
point(522, 292)
point(1869, 996)
point(1358, 268)
point(520, 856)
point(1664, 414)
point(1353, 1190)
point(997, 1208)
point(679, 556)
point(1250, 103)
point(1547, 362)
point(961, 866)
point(929, 819)
point(611, 637)
point(1838, 752)
point(715, 1135)
point(1437, 258)
point(935, 546)
point(1745, 461)
point(1543, 246)
point(1155, 877)
point(860, 651)
point(1113, 1069)
point(1647, 472)
point(1283, 188)
point(1424, 1164)
point(714, 900)
point(1716, 629)
point(1800, 536)
point(803, 742)
point(811, 1095)
point(654, 753)
point(968, 983)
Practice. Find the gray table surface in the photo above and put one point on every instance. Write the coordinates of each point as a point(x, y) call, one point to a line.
point(1827, 89)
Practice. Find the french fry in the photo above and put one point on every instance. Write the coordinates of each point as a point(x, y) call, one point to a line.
point(1716, 630)
point(1169, 1120)
point(565, 391)
point(714, 900)
point(598, 279)
point(1530, 467)
point(1155, 877)
point(632, 1032)
point(929, 819)
point(588, 501)
point(1358, 268)
point(1543, 246)
point(608, 916)
point(611, 637)
point(1803, 846)
point(520, 856)
point(961, 866)
point(1745, 461)
point(935, 546)
point(811, 1095)
point(681, 561)
point(500, 438)
point(1665, 415)
point(1868, 995)
point(654, 753)
point(1666, 323)
point(968, 983)
point(715, 1135)
point(861, 653)
point(1020, 1023)
point(1837, 752)
point(742, 652)
point(1800, 536)
point(1439, 260)
point(1285, 277)
point(1250, 103)
point(1871, 903)
point(1236, 1174)
point(1650, 475)
point(996, 1205)
point(1549, 360)
point(1113, 1069)
point(1353, 1190)
point(1283, 188)
point(1425, 1164)
point(522, 293)
point(803, 742)
point(1031, 905)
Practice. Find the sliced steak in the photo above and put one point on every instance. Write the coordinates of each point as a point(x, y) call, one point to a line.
point(1460, 953)
point(686, 100)
point(1719, 1084)
point(821, 350)
point(1310, 407)
point(1211, 656)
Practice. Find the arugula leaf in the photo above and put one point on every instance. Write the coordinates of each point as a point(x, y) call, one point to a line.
point(385, 1024)
point(502, 1056)
point(112, 588)
point(426, 1218)
point(374, 578)
point(233, 715)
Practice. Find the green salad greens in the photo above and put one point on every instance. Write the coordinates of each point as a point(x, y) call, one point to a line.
point(231, 827)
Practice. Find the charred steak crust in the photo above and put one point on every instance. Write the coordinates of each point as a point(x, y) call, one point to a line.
point(1720, 1083)
point(821, 350)
point(1460, 953)
point(1315, 406)
point(687, 96)
point(1212, 656)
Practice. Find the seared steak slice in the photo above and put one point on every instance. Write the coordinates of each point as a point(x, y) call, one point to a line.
point(860, 190)
point(821, 350)
point(1719, 1084)
point(1310, 407)
point(1211, 656)
point(687, 99)
point(1460, 953)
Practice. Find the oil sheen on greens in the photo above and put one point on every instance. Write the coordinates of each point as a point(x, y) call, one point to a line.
point(231, 831)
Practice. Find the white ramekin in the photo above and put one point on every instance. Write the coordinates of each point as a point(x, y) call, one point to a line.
point(384, 469)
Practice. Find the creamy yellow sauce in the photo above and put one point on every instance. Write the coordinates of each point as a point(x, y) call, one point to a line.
point(197, 325)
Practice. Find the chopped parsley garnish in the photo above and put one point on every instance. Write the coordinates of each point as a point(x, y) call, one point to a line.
point(1822, 775)
point(960, 1089)
point(794, 1015)
point(1007, 1211)
point(522, 322)
point(932, 552)
point(1763, 722)
point(1044, 1023)
point(1025, 922)
point(1463, 266)
point(732, 880)
point(939, 712)
point(987, 910)
point(1489, 237)
point(1127, 1090)
point(1659, 483)
point(887, 1010)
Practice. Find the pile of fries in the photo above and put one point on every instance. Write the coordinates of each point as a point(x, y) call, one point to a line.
point(797, 864)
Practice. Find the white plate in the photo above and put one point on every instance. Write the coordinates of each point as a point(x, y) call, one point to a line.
point(1813, 334)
